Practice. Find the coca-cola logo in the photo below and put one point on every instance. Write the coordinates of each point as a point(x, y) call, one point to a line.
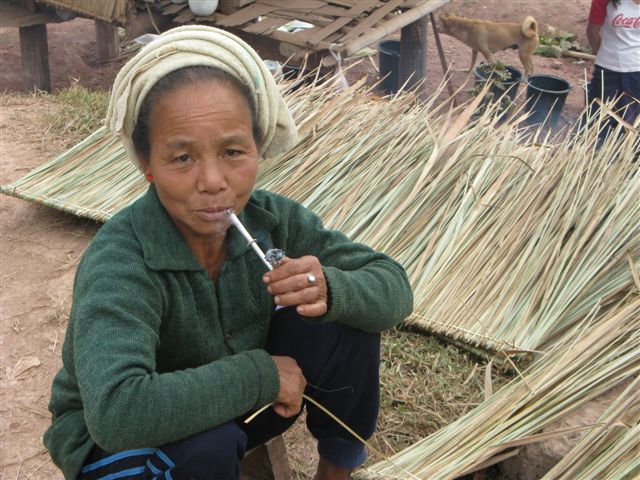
point(626, 22)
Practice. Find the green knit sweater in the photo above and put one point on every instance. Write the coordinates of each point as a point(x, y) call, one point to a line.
point(156, 352)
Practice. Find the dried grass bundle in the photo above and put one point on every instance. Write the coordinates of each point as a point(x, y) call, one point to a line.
point(586, 362)
point(610, 451)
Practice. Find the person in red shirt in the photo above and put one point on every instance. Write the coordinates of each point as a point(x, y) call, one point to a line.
point(613, 32)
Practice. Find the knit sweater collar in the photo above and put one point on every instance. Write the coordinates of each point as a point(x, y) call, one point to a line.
point(164, 247)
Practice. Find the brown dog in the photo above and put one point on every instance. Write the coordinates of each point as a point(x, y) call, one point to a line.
point(489, 37)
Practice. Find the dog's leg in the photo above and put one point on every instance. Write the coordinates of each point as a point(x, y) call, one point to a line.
point(474, 57)
point(487, 54)
point(527, 62)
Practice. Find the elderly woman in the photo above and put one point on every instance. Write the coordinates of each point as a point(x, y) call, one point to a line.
point(177, 330)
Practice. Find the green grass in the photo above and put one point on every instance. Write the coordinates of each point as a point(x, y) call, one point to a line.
point(426, 384)
point(81, 111)
point(56, 121)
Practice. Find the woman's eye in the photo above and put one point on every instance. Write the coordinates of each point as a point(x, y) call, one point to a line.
point(182, 158)
point(230, 152)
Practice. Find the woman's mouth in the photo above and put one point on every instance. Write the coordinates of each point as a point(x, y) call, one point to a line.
point(213, 214)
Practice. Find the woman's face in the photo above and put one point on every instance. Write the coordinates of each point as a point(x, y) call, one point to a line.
point(203, 156)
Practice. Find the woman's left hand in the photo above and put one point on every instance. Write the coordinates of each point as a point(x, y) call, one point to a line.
point(301, 282)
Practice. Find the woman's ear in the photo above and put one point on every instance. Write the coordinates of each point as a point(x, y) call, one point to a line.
point(145, 166)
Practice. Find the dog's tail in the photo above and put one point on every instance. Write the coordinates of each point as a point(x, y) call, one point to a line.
point(530, 27)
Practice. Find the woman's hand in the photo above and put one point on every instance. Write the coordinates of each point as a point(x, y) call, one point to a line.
point(301, 282)
point(292, 384)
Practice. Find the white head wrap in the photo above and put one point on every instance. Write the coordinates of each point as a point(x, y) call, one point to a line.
point(206, 46)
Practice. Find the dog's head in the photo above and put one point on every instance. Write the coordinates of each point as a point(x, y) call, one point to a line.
point(447, 23)
point(443, 24)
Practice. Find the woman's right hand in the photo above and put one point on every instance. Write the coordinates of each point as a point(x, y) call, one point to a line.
point(292, 384)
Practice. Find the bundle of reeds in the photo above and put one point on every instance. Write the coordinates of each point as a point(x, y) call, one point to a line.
point(509, 241)
point(586, 362)
point(610, 451)
point(93, 179)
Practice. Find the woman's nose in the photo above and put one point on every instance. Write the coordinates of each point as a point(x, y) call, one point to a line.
point(211, 176)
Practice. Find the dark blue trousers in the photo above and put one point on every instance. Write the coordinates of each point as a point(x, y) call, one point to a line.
point(341, 365)
point(607, 85)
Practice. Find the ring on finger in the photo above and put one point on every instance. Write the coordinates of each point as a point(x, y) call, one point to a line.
point(311, 278)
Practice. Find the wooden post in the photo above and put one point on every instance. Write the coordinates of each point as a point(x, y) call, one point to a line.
point(35, 57)
point(413, 54)
point(108, 43)
point(443, 61)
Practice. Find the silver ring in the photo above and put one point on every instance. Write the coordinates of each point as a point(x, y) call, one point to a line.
point(311, 278)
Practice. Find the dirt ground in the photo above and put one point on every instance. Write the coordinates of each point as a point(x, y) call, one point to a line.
point(40, 247)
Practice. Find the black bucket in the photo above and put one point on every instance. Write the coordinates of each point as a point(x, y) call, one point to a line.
point(389, 64)
point(500, 87)
point(546, 95)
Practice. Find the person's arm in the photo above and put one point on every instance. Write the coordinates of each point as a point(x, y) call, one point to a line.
point(118, 309)
point(593, 35)
point(365, 289)
point(597, 16)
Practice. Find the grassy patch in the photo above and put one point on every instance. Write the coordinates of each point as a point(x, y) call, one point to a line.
point(57, 121)
point(81, 112)
point(425, 385)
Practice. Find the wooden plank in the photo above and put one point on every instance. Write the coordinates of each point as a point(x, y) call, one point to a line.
point(333, 11)
point(387, 28)
point(174, 8)
point(340, 3)
point(35, 57)
point(184, 16)
point(235, 4)
point(316, 20)
point(297, 5)
point(372, 19)
point(246, 15)
point(413, 54)
point(265, 46)
point(16, 16)
point(266, 25)
point(341, 22)
point(295, 39)
point(107, 40)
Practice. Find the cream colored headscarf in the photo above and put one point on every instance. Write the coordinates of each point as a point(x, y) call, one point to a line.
point(206, 46)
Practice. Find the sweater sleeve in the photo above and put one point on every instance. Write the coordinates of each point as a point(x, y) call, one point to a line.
point(367, 289)
point(116, 318)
